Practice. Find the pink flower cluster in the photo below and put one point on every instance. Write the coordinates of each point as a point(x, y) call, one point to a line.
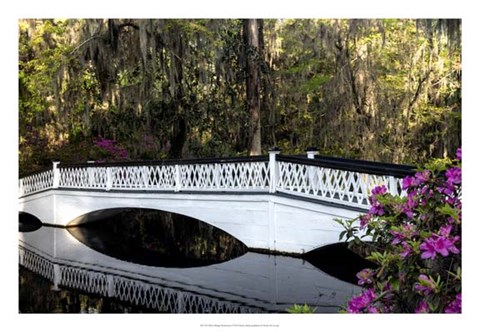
point(417, 244)
point(420, 178)
point(363, 303)
point(365, 276)
point(376, 207)
point(441, 243)
point(455, 307)
point(110, 146)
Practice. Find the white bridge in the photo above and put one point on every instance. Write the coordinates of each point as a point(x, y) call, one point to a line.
point(277, 203)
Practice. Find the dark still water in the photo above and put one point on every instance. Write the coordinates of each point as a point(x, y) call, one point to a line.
point(150, 261)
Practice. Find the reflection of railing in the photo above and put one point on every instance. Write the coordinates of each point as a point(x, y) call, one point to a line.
point(137, 292)
point(347, 182)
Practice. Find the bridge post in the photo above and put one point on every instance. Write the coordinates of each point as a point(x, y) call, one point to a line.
point(56, 175)
point(145, 176)
point(392, 186)
point(312, 179)
point(178, 185)
point(57, 277)
point(91, 175)
point(311, 152)
point(110, 286)
point(109, 183)
point(273, 166)
point(180, 307)
point(20, 188)
point(216, 176)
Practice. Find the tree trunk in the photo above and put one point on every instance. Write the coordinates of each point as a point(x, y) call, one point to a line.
point(179, 133)
point(252, 50)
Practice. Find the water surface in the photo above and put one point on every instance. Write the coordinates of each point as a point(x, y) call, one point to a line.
point(174, 266)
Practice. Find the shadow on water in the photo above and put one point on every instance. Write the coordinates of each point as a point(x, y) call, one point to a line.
point(28, 222)
point(157, 238)
point(338, 261)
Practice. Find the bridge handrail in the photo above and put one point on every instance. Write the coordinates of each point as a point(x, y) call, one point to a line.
point(225, 174)
point(337, 180)
point(343, 181)
point(219, 160)
point(361, 166)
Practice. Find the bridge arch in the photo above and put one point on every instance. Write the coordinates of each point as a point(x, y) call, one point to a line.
point(28, 222)
point(155, 238)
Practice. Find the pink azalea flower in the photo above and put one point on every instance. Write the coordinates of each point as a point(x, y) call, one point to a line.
point(364, 276)
point(408, 207)
point(445, 230)
point(380, 190)
point(422, 177)
point(408, 182)
point(428, 248)
point(364, 220)
point(422, 308)
point(439, 244)
point(455, 307)
point(454, 175)
point(358, 303)
point(376, 209)
point(407, 250)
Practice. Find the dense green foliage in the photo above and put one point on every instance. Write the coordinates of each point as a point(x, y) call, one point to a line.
point(387, 90)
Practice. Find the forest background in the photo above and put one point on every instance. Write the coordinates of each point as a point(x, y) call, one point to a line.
point(127, 89)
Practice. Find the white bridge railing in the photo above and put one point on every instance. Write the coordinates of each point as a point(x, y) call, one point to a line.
point(336, 180)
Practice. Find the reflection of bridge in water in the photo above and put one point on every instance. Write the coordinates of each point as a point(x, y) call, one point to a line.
point(252, 283)
point(275, 203)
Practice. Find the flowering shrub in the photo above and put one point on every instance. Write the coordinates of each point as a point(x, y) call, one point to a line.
point(109, 149)
point(415, 241)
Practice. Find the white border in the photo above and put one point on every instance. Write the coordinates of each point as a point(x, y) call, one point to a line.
point(236, 9)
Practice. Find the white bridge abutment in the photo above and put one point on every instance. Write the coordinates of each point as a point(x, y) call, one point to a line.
point(261, 221)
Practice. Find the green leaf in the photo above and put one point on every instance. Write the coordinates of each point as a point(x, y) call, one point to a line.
point(448, 211)
point(299, 309)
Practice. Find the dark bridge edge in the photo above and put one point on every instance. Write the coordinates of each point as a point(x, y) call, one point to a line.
point(168, 162)
point(42, 170)
point(361, 166)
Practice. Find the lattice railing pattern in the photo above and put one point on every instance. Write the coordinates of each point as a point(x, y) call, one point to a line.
point(85, 280)
point(137, 292)
point(35, 263)
point(165, 299)
point(194, 177)
point(335, 185)
point(307, 178)
point(89, 178)
point(36, 182)
point(225, 176)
